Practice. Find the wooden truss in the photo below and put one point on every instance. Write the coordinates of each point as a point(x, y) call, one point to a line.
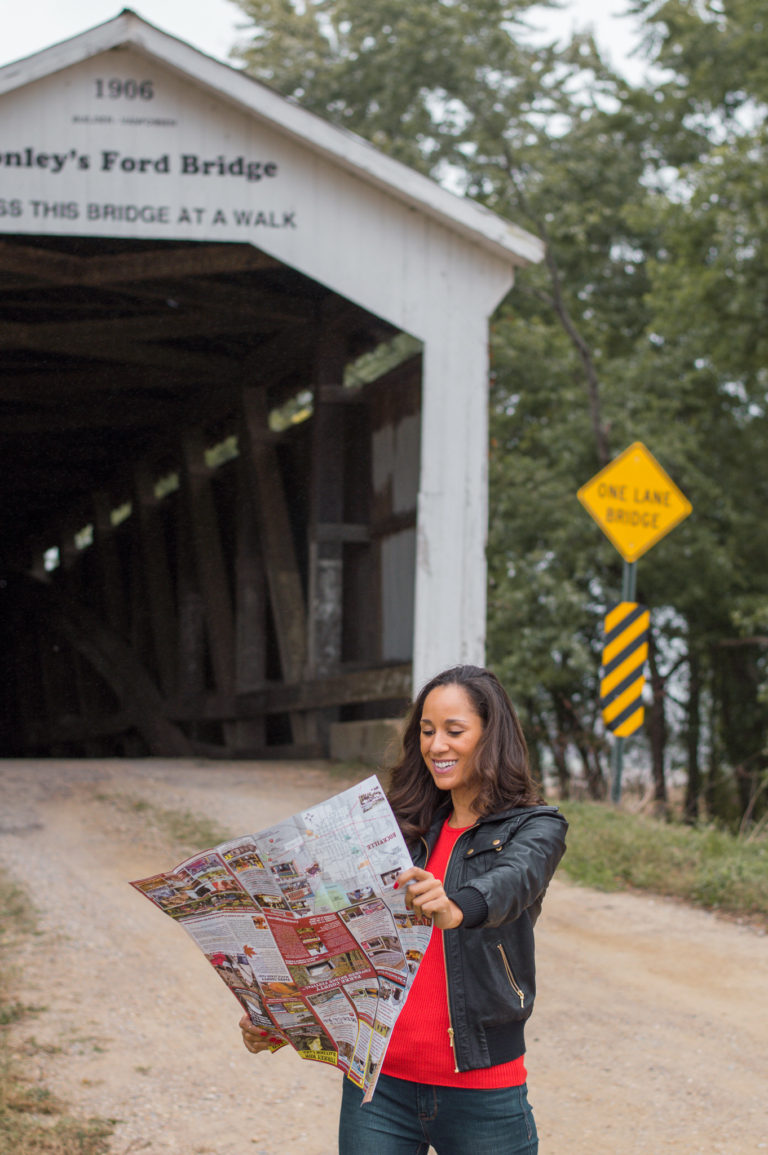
point(191, 538)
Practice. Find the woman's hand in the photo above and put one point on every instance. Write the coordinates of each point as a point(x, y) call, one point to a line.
point(256, 1039)
point(425, 894)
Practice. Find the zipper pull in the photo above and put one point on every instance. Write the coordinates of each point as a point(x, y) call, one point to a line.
point(450, 1040)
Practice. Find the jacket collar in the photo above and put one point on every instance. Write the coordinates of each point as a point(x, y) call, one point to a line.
point(516, 812)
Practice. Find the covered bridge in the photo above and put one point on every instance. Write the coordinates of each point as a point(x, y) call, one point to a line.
point(243, 410)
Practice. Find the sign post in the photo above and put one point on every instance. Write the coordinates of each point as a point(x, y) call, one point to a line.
point(635, 503)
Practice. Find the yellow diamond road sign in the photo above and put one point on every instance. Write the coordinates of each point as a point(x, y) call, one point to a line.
point(634, 501)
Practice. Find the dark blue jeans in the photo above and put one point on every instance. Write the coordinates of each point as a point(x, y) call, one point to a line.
point(406, 1118)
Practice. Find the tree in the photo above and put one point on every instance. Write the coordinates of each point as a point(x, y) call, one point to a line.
point(397, 72)
point(644, 322)
point(707, 295)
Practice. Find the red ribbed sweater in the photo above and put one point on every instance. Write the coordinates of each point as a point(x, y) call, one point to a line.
point(420, 1049)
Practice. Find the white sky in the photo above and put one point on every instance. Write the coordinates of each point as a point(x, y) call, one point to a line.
point(211, 25)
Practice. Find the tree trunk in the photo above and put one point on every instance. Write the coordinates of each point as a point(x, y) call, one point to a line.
point(583, 738)
point(657, 732)
point(558, 744)
point(593, 771)
point(558, 747)
point(692, 737)
point(533, 732)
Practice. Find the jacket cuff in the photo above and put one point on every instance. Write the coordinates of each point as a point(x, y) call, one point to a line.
point(472, 905)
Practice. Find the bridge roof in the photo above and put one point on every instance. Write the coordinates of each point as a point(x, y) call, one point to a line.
point(346, 150)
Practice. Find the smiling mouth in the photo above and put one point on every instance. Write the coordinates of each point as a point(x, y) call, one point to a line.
point(443, 767)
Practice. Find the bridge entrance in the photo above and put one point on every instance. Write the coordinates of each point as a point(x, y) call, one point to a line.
point(243, 410)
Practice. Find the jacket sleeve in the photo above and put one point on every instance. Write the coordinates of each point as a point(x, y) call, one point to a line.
point(519, 872)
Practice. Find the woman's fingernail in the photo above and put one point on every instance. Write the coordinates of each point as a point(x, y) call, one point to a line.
point(397, 884)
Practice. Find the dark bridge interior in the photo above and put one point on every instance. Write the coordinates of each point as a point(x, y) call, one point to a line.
point(190, 541)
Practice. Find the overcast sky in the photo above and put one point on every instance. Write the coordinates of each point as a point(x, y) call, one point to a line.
point(211, 25)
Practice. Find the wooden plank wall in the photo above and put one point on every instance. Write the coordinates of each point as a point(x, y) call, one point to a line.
point(234, 609)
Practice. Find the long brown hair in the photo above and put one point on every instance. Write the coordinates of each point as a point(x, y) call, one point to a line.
point(500, 764)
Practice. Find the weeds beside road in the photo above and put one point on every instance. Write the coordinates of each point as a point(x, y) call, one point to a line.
point(608, 848)
point(32, 1120)
point(611, 849)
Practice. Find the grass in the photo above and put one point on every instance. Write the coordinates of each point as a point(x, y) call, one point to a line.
point(615, 850)
point(608, 849)
point(33, 1121)
point(183, 829)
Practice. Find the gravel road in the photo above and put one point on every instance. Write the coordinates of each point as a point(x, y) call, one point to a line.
point(650, 1032)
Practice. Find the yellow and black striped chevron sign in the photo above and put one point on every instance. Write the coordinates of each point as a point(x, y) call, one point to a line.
point(621, 677)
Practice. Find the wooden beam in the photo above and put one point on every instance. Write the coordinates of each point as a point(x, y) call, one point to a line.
point(72, 728)
point(36, 486)
point(191, 656)
point(117, 346)
point(394, 523)
point(84, 381)
point(106, 350)
point(265, 488)
point(343, 689)
point(168, 324)
point(139, 630)
point(362, 614)
point(47, 700)
point(206, 393)
point(209, 559)
point(387, 683)
point(31, 479)
point(324, 627)
point(80, 416)
point(263, 483)
point(239, 303)
point(110, 575)
point(156, 575)
point(161, 263)
point(343, 532)
point(251, 613)
point(31, 698)
point(284, 751)
point(115, 662)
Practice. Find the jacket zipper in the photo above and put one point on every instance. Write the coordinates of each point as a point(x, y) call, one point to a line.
point(447, 989)
point(512, 981)
point(451, 1033)
point(445, 965)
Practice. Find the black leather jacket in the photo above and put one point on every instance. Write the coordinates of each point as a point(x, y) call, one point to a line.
point(498, 873)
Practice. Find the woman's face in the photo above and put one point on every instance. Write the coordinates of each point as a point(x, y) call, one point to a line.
point(450, 732)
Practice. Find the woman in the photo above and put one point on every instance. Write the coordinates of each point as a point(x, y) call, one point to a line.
point(484, 849)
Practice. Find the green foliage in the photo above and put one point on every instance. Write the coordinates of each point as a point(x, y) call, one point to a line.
point(398, 72)
point(715, 50)
point(644, 322)
point(613, 850)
